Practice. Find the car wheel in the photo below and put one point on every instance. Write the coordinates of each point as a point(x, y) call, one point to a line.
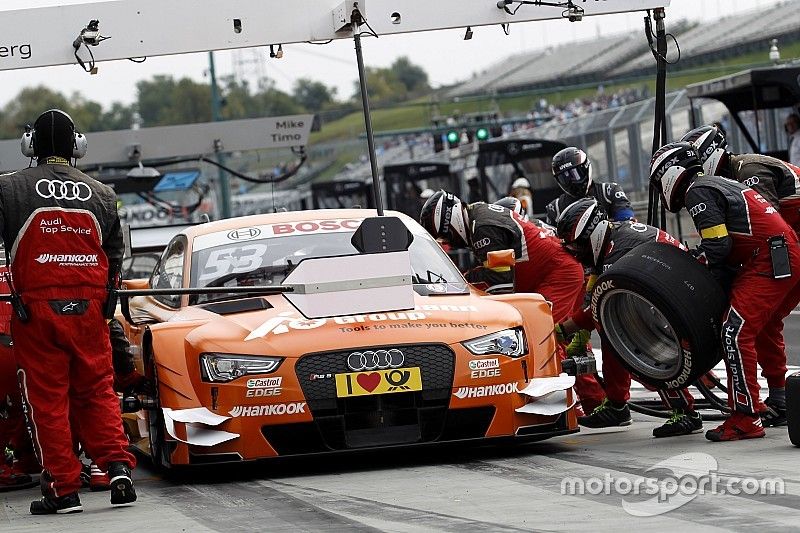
point(160, 449)
point(793, 407)
point(661, 311)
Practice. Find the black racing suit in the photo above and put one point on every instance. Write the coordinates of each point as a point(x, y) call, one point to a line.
point(735, 224)
point(610, 196)
point(777, 181)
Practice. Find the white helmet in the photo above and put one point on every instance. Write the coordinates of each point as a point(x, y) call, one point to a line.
point(521, 183)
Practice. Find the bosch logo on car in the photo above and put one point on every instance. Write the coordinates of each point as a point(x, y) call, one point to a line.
point(375, 360)
point(63, 190)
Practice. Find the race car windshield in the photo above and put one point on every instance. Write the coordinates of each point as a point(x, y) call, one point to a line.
point(267, 262)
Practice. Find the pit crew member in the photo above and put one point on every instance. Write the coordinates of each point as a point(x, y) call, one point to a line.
point(543, 266)
point(738, 228)
point(572, 170)
point(66, 249)
point(522, 191)
point(597, 243)
point(779, 183)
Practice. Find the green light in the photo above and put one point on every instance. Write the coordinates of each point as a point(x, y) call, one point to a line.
point(482, 134)
point(452, 137)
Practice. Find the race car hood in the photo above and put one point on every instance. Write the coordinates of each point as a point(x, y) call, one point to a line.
point(282, 330)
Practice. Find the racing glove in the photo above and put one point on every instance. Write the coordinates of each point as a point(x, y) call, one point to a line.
point(578, 344)
point(131, 382)
point(561, 336)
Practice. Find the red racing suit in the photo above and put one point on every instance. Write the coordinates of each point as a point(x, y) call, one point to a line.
point(624, 237)
point(65, 245)
point(12, 419)
point(543, 266)
point(779, 183)
point(735, 223)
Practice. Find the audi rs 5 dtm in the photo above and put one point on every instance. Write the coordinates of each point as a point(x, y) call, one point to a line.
point(245, 377)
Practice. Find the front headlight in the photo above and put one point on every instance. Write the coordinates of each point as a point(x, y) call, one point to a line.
point(510, 342)
point(222, 367)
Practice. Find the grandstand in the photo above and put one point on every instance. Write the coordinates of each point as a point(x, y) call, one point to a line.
point(604, 58)
point(735, 35)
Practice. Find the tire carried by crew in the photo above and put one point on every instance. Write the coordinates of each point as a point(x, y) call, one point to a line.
point(793, 407)
point(662, 313)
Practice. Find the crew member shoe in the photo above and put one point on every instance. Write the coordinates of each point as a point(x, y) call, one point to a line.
point(98, 480)
point(737, 427)
point(775, 414)
point(13, 479)
point(606, 415)
point(680, 423)
point(122, 490)
point(70, 503)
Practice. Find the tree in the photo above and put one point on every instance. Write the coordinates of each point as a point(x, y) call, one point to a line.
point(163, 101)
point(313, 95)
point(383, 86)
point(412, 76)
point(26, 106)
point(119, 117)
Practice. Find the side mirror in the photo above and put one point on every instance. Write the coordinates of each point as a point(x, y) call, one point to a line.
point(136, 284)
point(500, 259)
point(124, 301)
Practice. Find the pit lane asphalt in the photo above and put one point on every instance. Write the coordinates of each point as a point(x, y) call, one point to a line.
point(452, 489)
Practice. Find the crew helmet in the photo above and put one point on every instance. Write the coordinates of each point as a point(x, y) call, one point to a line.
point(584, 230)
point(711, 146)
point(443, 216)
point(671, 170)
point(572, 170)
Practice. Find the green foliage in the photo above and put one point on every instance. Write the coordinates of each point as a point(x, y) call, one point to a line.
point(413, 77)
point(313, 95)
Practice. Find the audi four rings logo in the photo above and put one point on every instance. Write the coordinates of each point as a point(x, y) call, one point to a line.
point(375, 360)
point(63, 190)
point(244, 234)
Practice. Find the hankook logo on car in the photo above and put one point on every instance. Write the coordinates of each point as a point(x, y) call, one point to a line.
point(488, 390)
point(276, 409)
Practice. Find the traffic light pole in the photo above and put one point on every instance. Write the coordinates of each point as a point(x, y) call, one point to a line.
point(216, 116)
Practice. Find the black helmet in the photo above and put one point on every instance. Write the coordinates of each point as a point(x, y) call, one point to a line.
point(671, 170)
point(512, 204)
point(443, 217)
point(584, 230)
point(711, 146)
point(573, 171)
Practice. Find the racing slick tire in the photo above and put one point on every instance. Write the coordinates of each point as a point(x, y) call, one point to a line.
point(662, 313)
point(793, 407)
point(160, 451)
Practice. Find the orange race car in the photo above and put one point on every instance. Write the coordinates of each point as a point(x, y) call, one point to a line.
point(262, 371)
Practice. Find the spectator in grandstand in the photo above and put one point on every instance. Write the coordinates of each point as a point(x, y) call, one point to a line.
point(792, 127)
point(572, 169)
